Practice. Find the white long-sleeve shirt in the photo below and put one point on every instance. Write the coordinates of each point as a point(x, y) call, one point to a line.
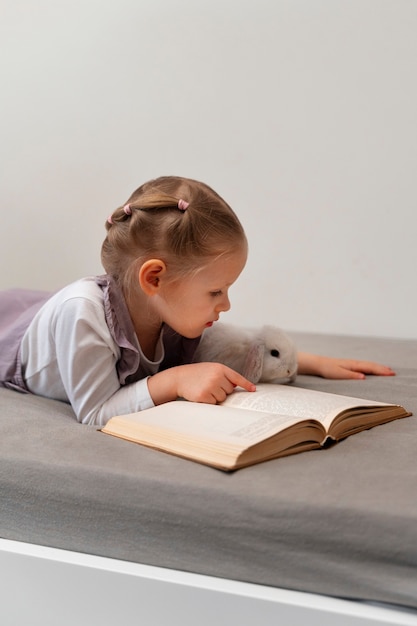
point(68, 353)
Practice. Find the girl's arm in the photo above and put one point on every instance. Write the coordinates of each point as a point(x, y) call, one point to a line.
point(69, 355)
point(330, 367)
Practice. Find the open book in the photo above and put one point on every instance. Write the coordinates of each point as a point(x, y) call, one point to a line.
point(250, 427)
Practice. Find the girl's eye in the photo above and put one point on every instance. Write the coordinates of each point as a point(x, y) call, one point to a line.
point(216, 293)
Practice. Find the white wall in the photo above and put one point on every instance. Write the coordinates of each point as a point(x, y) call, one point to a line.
point(301, 113)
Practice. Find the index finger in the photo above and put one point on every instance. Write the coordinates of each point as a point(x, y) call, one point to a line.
point(240, 381)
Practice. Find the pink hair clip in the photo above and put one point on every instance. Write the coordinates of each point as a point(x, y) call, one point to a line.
point(127, 209)
point(110, 219)
point(183, 205)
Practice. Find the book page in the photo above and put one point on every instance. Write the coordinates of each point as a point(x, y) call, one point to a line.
point(190, 421)
point(297, 402)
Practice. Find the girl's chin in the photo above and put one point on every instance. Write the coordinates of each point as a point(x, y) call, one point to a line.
point(190, 334)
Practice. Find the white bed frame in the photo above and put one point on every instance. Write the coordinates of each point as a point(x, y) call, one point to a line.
point(42, 586)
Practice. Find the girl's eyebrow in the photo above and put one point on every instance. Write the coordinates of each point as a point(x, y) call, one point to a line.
point(224, 286)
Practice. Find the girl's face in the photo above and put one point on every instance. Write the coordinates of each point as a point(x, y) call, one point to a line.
point(191, 304)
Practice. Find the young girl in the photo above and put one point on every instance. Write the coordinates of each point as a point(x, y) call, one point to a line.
point(125, 341)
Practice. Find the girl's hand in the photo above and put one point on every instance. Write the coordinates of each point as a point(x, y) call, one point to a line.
point(329, 367)
point(197, 382)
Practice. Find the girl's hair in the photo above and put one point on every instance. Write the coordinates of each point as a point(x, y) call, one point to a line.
point(151, 224)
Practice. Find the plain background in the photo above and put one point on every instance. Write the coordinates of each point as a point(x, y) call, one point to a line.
point(301, 113)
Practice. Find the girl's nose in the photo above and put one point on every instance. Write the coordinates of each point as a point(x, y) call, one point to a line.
point(224, 305)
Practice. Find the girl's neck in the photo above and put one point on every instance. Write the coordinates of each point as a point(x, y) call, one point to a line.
point(148, 341)
point(146, 324)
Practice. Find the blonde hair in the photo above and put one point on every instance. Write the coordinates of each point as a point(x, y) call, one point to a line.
point(154, 226)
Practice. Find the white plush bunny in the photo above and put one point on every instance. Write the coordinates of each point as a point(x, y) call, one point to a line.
point(264, 355)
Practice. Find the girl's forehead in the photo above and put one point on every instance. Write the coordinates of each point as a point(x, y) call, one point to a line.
point(226, 266)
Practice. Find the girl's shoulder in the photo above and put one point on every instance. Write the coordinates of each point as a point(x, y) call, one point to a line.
point(84, 289)
point(82, 298)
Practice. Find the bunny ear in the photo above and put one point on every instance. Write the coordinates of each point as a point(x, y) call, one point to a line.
point(252, 369)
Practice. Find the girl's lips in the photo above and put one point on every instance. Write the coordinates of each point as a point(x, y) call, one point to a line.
point(209, 324)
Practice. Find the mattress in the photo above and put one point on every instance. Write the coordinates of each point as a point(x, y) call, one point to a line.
point(340, 522)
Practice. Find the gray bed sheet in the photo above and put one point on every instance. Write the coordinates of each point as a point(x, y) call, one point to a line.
point(340, 522)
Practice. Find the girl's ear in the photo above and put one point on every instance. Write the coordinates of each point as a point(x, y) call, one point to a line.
point(150, 275)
